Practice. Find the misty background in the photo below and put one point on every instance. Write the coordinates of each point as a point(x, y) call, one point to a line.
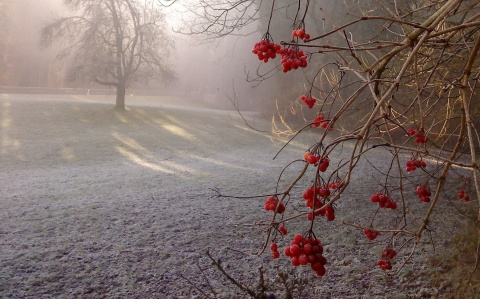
point(209, 71)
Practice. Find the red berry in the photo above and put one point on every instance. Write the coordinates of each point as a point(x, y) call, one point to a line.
point(323, 192)
point(287, 252)
point(301, 33)
point(303, 259)
point(306, 155)
point(307, 248)
point(310, 101)
point(317, 120)
point(317, 249)
point(330, 216)
point(423, 193)
point(281, 208)
point(298, 238)
point(283, 230)
point(312, 159)
point(310, 216)
point(316, 266)
point(274, 247)
point(389, 253)
point(371, 234)
point(295, 250)
point(393, 206)
point(321, 259)
point(322, 167)
point(384, 265)
point(420, 138)
point(321, 271)
point(388, 204)
point(381, 198)
point(308, 194)
point(295, 261)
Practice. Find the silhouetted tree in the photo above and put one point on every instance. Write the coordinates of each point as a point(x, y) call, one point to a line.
point(112, 42)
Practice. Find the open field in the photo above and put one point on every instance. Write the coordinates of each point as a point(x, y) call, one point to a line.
point(103, 204)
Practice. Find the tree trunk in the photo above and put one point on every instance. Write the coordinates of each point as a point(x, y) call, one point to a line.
point(120, 101)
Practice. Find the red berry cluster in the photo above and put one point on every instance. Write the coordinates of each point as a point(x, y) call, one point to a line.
point(323, 165)
point(384, 201)
point(316, 204)
point(424, 193)
point(321, 191)
point(311, 158)
point(419, 135)
point(420, 138)
point(292, 59)
point(265, 50)
point(271, 204)
point(325, 124)
point(303, 251)
point(328, 211)
point(320, 121)
point(462, 195)
point(384, 265)
point(283, 229)
point(334, 185)
point(309, 193)
point(274, 249)
point(413, 164)
point(309, 100)
point(300, 33)
point(387, 255)
point(370, 233)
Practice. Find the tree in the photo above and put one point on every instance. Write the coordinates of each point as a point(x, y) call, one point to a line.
point(112, 42)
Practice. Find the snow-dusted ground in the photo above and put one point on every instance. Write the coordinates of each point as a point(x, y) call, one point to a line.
point(96, 203)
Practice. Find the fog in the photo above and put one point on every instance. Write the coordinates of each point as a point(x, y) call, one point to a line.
point(99, 200)
point(212, 71)
point(23, 64)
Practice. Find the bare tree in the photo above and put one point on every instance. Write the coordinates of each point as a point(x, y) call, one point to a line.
point(112, 42)
point(398, 78)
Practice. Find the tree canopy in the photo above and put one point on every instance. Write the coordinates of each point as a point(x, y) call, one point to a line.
point(112, 42)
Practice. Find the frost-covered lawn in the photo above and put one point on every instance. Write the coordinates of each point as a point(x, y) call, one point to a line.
point(96, 203)
point(100, 203)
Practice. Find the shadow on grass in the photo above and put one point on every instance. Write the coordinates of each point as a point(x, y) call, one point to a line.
point(50, 133)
